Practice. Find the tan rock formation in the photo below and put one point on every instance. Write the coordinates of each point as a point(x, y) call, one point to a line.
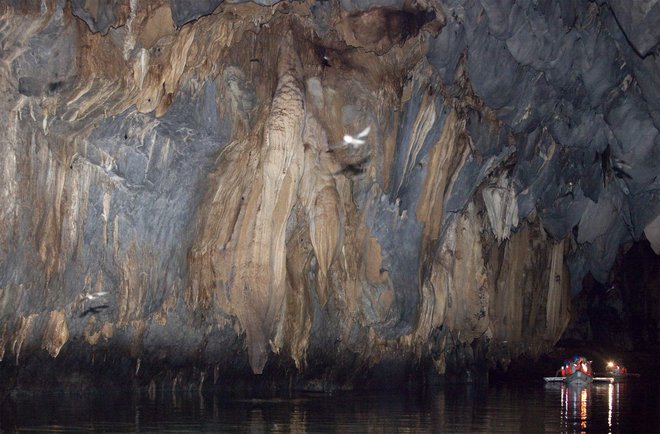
point(183, 192)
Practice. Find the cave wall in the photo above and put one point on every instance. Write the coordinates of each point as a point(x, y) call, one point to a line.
point(622, 314)
point(177, 189)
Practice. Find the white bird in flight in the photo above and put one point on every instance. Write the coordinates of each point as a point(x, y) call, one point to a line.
point(95, 295)
point(357, 140)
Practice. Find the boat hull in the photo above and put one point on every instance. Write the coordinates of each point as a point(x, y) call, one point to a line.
point(622, 377)
point(578, 378)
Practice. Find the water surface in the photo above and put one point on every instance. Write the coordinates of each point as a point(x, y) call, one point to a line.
point(506, 408)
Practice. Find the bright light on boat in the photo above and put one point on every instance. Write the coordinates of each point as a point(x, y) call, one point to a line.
point(610, 364)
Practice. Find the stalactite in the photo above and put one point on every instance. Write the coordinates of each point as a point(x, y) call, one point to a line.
point(56, 333)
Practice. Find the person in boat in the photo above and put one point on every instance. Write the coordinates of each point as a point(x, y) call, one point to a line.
point(615, 369)
point(566, 369)
point(577, 364)
point(562, 371)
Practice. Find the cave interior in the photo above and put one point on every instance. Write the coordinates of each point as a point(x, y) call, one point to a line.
point(324, 194)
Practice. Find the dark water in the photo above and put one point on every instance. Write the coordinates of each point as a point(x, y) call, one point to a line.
point(602, 408)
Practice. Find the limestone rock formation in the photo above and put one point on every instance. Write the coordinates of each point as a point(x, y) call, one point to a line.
point(177, 197)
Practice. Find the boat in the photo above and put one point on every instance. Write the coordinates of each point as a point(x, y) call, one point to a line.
point(578, 378)
point(622, 377)
point(617, 372)
point(575, 373)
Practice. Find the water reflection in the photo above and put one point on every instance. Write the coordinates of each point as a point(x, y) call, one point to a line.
point(503, 408)
point(613, 402)
point(575, 405)
point(606, 407)
point(610, 405)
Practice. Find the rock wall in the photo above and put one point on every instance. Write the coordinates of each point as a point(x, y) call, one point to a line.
point(314, 191)
point(624, 313)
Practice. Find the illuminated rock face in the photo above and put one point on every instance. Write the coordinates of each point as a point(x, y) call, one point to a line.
point(179, 192)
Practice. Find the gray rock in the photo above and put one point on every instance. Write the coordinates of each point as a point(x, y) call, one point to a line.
point(361, 5)
point(639, 20)
point(445, 50)
point(99, 15)
point(50, 65)
point(185, 11)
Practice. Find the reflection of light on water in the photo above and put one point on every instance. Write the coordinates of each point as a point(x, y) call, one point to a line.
point(599, 407)
point(575, 405)
point(564, 406)
point(583, 408)
point(610, 405)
